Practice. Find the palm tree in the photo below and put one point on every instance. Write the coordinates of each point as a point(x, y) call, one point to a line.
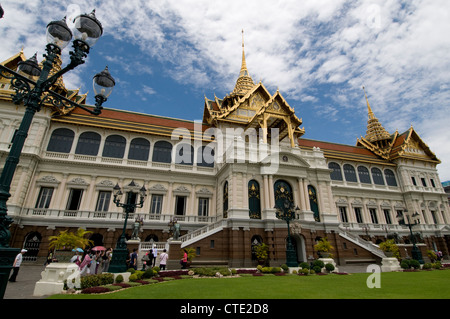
point(70, 240)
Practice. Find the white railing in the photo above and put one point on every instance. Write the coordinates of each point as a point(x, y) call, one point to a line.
point(202, 232)
point(113, 216)
point(363, 243)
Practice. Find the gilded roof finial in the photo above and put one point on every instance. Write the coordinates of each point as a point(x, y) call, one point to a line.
point(244, 81)
point(371, 115)
point(375, 131)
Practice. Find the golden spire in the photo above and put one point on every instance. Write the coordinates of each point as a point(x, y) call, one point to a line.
point(375, 131)
point(371, 115)
point(244, 82)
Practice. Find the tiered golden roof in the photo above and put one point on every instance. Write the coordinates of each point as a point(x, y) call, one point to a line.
point(251, 106)
point(375, 131)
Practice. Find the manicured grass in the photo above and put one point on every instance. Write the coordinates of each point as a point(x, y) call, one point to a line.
point(394, 285)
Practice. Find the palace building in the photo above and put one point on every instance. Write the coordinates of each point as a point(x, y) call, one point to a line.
point(222, 179)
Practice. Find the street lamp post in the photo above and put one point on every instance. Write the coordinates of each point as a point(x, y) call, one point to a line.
point(119, 257)
point(32, 86)
point(416, 254)
point(286, 212)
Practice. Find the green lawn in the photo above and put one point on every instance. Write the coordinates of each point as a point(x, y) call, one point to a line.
point(394, 285)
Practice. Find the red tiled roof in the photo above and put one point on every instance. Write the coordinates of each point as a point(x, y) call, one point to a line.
point(341, 151)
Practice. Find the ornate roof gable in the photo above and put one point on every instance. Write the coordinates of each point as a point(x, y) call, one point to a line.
point(59, 86)
point(410, 145)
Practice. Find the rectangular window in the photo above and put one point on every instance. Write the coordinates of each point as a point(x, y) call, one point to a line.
point(432, 182)
point(203, 206)
point(180, 205)
point(104, 198)
point(424, 183)
point(387, 216)
point(413, 180)
point(44, 198)
point(343, 212)
point(358, 215)
point(373, 215)
point(433, 214)
point(74, 199)
point(156, 205)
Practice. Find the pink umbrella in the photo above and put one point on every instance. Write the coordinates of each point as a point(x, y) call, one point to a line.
point(98, 248)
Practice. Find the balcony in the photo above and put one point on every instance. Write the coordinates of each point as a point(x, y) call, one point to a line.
point(108, 218)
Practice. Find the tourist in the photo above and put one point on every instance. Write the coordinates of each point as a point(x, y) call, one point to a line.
point(163, 260)
point(184, 260)
point(16, 265)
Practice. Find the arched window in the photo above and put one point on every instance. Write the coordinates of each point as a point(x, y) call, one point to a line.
point(390, 177)
point(205, 156)
point(254, 200)
point(313, 202)
point(336, 173)
point(139, 149)
point(162, 152)
point(350, 174)
point(88, 144)
point(184, 154)
point(225, 199)
point(283, 192)
point(377, 176)
point(114, 146)
point(61, 140)
point(364, 176)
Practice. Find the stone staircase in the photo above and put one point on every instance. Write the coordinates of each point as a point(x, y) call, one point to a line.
point(367, 245)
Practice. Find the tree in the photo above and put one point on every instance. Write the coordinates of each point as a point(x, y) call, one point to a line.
point(70, 240)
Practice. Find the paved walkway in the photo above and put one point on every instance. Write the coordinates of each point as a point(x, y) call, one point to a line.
point(26, 280)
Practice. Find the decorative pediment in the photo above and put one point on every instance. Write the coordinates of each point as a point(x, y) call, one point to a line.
point(49, 179)
point(105, 183)
point(158, 187)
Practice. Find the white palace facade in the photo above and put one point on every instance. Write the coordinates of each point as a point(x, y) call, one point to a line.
point(221, 179)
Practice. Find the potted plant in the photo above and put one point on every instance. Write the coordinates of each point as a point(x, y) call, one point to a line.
point(324, 248)
point(63, 243)
point(390, 249)
point(262, 253)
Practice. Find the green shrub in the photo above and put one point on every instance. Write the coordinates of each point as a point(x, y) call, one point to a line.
point(304, 265)
point(405, 264)
point(275, 270)
point(119, 279)
point(157, 269)
point(427, 266)
point(259, 267)
point(317, 269)
point(414, 263)
point(304, 271)
point(329, 267)
point(319, 263)
point(285, 267)
point(149, 273)
point(132, 270)
point(437, 265)
point(133, 277)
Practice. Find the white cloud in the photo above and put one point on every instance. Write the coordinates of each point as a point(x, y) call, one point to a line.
point(397, 49)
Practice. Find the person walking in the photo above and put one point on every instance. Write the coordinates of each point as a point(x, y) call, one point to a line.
point(184, 260)
point(155, 255)
point(163, 260)
point(16, 265)
point(133, 259)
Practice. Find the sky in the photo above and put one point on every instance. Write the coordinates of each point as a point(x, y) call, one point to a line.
point(167, 55)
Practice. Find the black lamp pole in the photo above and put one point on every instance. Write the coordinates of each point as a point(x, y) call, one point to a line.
point(120, 253)
point(286, 212)
point(34, 93)
point(416, 253)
